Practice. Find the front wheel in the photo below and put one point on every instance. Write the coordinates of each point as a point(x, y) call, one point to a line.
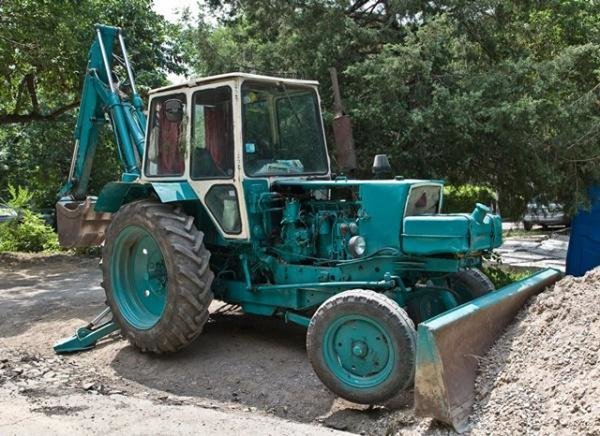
point(156, 276)
point(361, 345)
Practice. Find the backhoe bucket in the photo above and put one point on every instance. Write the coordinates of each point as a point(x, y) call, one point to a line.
point(449, 346)
point(79, 225)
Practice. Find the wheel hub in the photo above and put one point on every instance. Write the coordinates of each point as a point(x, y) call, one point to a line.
point(358, 350)
point(139, 277)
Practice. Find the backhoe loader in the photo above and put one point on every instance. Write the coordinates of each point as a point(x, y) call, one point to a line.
point(227, 193)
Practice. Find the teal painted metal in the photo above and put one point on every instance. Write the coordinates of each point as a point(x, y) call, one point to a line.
point(303, 321)
point(347, 183)
point(382, 284)
point(448, 346)
point(169, 192)
point(359, 351)
point(452, 234)
point(84, 338)
point(139, 277)
point(267, 301)
point(116, 194)
point(380, 221)
point(99, 97)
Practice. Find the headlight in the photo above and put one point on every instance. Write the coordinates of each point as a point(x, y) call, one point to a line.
point(357, 246)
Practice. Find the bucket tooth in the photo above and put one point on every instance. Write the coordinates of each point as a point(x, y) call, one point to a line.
point(449, 346)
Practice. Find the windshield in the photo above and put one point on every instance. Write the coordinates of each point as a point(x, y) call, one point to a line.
point(282, 130)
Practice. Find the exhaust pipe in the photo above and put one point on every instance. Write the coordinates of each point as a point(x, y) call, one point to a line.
point(449, 345)
point(342, 130)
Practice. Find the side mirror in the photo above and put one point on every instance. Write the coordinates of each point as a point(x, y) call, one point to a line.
point(174, 110)
point(381, 166)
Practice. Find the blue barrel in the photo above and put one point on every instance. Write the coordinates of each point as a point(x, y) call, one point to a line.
point(584, 245)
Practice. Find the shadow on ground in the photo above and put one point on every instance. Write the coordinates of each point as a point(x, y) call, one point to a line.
point(256, 363)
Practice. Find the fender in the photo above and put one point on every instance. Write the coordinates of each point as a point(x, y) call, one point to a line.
point(116, 194)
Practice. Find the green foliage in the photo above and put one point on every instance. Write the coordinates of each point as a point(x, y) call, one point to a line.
point(29, 232)
point(43, 52)
point(503, 94)
point(488, 92)
point(462, 198)
point(504, 276)
point(20, 197)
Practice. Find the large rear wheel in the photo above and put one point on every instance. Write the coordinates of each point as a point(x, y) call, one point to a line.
point(156, 276)
point(361, 345)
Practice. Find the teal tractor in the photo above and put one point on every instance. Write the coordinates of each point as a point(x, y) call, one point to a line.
point(227, 194)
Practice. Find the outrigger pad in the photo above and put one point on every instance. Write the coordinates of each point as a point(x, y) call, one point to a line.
point(449, 346)
point(85, 338)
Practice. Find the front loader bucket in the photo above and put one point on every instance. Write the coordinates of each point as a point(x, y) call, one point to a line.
point(79, 225)
point(449, 345)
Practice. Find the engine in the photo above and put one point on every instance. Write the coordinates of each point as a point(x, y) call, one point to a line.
point(316, 230)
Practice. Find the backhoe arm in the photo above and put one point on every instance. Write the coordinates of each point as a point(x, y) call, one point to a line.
point(102, 101)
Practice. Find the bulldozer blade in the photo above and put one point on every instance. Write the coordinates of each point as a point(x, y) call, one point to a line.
point(79, 225)
point(450, 345)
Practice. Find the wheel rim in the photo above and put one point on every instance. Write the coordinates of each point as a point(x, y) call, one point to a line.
point(139, 277)
point(359, 351)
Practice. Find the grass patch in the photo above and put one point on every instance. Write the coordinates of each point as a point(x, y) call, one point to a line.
point(502, 275)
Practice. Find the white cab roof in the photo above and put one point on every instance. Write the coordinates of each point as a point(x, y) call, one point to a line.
point(201, 80)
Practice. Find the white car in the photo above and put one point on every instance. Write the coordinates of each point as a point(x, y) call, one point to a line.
point(546, 215)
point(7, 213)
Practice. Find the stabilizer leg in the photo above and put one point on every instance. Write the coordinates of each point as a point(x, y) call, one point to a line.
point(86, 337)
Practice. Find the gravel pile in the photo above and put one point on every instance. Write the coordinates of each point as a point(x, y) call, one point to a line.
point(543, 374)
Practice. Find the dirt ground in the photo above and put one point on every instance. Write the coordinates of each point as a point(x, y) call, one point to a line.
point(250, 375)
point(244, 375)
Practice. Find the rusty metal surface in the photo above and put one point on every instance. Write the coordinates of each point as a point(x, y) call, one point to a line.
point(344, 141)
point(79, 225)
point(449, 346)
point(342, 130)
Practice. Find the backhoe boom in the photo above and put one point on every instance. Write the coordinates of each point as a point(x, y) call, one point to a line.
point(102, 100)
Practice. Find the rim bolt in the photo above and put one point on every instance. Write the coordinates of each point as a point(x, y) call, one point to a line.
point(144, 252)
point(147, 293)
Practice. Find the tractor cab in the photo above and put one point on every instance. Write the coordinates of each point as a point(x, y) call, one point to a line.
point(216, 133)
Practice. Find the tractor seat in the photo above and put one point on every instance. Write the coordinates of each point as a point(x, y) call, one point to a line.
point(203, 164)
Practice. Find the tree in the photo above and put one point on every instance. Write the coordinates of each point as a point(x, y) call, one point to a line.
point(43, 52)
point(497, 93)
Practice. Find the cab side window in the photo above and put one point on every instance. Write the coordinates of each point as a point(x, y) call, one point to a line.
point(424, 200)
point(212, 134)
point(167, 136)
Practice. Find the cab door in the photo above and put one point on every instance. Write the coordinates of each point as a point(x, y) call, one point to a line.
point(213, 173)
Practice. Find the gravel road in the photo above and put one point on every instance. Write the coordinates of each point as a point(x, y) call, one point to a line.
point(250, 375)
point(243, 375)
